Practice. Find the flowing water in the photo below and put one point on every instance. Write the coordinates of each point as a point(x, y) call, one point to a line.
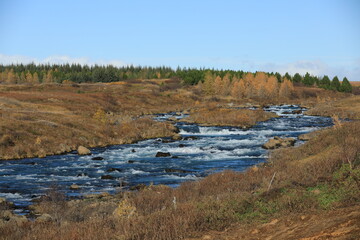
point(204, 150)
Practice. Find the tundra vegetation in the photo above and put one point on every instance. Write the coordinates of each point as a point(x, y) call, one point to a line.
point(58, 110)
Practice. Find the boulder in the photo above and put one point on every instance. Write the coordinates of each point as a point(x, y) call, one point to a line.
point(278, 142)
point(133, 150)
point(107, 177)
point(181, 145)
point(114, 170)
point(272, 144)
point(74, 187)
point(177, 137)
point(297, 112)
point(131, 161)
point(97, 158)
point(172, 170)
point(162, 154)
point(83, 150)
point(287, 142)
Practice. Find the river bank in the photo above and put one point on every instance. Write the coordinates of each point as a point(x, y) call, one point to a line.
point(52, 119)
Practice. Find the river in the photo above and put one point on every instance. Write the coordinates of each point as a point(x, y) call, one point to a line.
point(203, 150)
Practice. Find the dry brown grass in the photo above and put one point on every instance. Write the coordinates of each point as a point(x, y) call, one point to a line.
point(355, 83)
point(52, 119)
point(218, 116)
point(324, 173)
point(344, 108)
point(219, 200)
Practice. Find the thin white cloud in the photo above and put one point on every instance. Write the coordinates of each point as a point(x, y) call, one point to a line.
point(318, 68)
point(56, 59)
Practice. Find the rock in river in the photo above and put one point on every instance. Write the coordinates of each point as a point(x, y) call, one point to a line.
point(114, 170)
point(297, 112)
point(172, 170)
point(177, 137)
point(83, 150)
point(97, 158)
point(74, 187)
point(107, 177)
point(163, 154)
point(278, 142)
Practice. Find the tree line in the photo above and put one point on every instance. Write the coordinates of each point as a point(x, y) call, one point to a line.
point(46, 73)
point(258, 86)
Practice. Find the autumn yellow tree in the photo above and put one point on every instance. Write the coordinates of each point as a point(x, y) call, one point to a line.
point(249, 81)
point(286, 88)
point(11, 77)
point(29, 77)
point(272, 87)
point(218, 85)
point(226, 86)
point(35, 78)
point(3, 76)
point(48, 77)
point(208, 85)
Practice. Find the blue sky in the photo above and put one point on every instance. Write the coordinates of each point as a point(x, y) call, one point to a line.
point(321, 37)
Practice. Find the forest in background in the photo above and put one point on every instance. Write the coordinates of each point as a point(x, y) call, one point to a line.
point(45, 73)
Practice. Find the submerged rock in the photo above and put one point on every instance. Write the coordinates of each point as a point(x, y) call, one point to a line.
point(163, 154)
point(74, 187)
point(97, 158)
point(83, 150)
point(278, 142)
point(114, 170)
point(107, 177)
point(82, 175)
point(172, 170)
point(297, 112)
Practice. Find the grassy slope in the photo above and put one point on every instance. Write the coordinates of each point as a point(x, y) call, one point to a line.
point(53, 119)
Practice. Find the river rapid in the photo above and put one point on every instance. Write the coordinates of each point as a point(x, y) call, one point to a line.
point(203, 150)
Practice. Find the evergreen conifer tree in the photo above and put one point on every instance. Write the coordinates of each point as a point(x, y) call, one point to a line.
point(335, 84)
point(345, 86)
